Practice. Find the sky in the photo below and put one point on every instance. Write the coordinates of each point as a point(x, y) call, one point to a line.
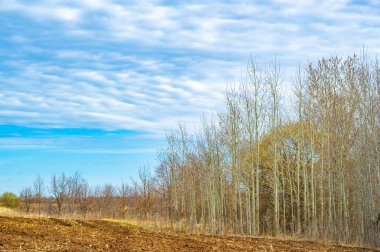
point(94, 85)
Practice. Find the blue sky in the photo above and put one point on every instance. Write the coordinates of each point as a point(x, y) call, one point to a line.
point(94, 85)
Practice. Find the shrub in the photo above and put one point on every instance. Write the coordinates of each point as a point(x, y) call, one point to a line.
point(9, 199)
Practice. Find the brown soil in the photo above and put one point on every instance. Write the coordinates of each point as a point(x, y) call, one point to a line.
point(49, 234)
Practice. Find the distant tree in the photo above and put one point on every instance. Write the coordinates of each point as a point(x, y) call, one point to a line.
point(145, 189)
point(77, 189)
point(124, 192)
point(26, 197)
point(38, 191)
point(9, 199)
point(84, 197)
point(59, 187)
point(107, 196)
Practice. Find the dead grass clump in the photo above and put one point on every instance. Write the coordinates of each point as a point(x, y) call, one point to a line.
point(4, 211)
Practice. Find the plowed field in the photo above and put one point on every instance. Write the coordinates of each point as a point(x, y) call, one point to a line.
point(49, 234)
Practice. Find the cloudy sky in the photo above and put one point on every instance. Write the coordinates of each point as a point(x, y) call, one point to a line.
point(94, 85)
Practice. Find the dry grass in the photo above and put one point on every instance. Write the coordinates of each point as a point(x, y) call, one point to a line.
point(153, 225)
point(4, 211)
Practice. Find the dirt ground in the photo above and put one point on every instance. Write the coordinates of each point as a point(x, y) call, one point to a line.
point(49, 234)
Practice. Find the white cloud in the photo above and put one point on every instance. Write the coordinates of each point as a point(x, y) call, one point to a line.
point(143, 65)
point(43, 10)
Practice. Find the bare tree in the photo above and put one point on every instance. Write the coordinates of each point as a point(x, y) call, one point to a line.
point(38, 190)
point(26, 196)
point(125, 193)
point(59, 188)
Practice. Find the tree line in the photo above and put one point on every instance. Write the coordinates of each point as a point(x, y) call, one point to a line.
point(275, 162)
point(302, 160)
point(72, 196)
